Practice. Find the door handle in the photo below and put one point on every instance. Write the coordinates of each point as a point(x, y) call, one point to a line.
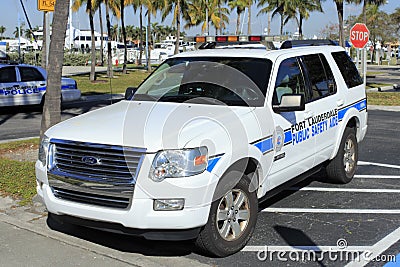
point(308, 114)
point(340, 102)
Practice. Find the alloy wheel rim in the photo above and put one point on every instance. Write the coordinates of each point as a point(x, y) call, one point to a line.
point(349, 159)
point(233, 214)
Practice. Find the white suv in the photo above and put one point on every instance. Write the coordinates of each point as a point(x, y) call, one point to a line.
point(192, 151)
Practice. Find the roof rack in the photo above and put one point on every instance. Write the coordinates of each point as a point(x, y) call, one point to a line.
point(299, 43)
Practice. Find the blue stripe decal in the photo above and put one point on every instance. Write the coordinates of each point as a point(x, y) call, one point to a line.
point(211, 163)
point(288, 137)
point(42, 89)
point(361, 105)
point(265, 145)
point(395, 262)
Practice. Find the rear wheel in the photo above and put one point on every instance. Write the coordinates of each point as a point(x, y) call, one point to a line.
point(231, 221)
point(342, 168)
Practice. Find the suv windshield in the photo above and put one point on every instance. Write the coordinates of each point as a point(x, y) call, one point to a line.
point(208, 80)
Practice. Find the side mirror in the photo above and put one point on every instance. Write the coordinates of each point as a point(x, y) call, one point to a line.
point(130, 91)
point(290, 103)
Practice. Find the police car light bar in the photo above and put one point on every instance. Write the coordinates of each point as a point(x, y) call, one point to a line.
point(228, 38)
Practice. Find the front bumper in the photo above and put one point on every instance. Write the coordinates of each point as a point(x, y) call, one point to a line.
point(140, 215)
point(70, 94)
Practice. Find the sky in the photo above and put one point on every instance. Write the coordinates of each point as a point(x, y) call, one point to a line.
point(11, 10)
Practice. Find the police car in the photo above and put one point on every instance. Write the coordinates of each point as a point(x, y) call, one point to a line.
point(209, 135)
point(26, 85)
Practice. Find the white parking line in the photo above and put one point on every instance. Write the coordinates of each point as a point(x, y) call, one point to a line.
point(377, 249)
point(365, 163)
point(338, 211)
point(302, 248)
point(356, 190)
point(377, 176)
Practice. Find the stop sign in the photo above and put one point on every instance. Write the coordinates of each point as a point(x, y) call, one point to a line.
point(359, 35)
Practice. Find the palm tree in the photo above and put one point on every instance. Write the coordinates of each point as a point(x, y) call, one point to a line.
point(2, 31)
point(18, 30)
point(217, 15)
point(138, 4)
point(179, 8)
point(52, 105)
point(249, 4)
point(368, 2)
point(122, 8)
point(240, 6)
point(113, 6)
point(98, 7)
point(302, 9)
point(90, 9)
point(339, 9)
point(276, 7)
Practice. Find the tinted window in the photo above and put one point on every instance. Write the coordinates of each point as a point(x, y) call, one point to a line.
point(348, 69)
point(320, 75)
point(210, 80)
point(7, 75)
point(289, 80)
point(30, 74)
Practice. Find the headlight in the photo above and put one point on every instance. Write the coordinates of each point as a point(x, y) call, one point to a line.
point(178, 163)
point(43, 149)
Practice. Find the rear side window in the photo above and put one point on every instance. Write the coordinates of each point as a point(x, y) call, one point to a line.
point(320, 76)
point(348, 69)
point(30, 74)
point(7, 75)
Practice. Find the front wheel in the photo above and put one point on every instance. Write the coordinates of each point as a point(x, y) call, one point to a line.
point(231, 221)
point(342, 167)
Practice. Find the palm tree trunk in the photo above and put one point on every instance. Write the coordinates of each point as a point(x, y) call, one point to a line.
point(301, 27)
point(93, 45)
point(178, 26)
point(365, 12)
point(249, 19)
point(140, 35)
point(44, 48)
point(282, 18)
point(52, 105)
point(101, 37)
point(149, 40)
point(109, 55)
point(339, 8)
point(124, 37)
point(238, 21)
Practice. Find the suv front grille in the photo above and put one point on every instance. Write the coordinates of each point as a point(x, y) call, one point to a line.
point(93, 173)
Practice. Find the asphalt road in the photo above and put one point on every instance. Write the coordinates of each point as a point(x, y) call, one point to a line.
point(385, 74)
point(23, 122)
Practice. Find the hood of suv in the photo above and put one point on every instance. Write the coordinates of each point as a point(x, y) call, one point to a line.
point(154, 125)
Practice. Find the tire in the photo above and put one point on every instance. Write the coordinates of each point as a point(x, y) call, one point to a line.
point(225, 233)
point(342, 167)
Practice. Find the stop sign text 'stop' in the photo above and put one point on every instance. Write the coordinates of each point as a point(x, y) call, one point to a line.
point(359, 35)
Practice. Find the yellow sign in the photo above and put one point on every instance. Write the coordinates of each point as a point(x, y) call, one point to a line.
point(46, 5)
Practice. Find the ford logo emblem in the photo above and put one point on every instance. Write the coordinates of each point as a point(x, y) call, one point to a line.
point(89, 160)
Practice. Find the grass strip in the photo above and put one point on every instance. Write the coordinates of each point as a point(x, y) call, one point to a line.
point(17, 180)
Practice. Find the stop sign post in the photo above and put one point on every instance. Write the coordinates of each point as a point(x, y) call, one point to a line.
point(359, 35)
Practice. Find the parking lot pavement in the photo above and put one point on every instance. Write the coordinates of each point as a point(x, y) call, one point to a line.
point(348, 221)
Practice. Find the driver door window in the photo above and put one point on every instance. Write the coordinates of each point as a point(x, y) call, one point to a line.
point(289, 80)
